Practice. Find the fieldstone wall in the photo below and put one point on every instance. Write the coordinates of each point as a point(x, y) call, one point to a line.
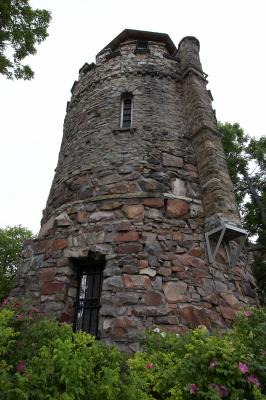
point(140, 196)
point(216, 186)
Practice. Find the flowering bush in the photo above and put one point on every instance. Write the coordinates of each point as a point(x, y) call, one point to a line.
point(42, 359)
point(203, 366)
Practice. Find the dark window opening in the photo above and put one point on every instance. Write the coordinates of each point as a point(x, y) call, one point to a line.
point(90, 277)
point(126, 112)
point(142, 45)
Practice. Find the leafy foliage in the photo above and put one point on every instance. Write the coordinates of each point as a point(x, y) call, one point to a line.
point(42, 359)
point(11, 242)
point(47, 360)
point(21, 28)
point(203, 366)
point(246, 158)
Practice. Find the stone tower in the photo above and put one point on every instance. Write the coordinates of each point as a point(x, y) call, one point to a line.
point(141, 227)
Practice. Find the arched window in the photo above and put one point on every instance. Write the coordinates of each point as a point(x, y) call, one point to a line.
point(126, 110)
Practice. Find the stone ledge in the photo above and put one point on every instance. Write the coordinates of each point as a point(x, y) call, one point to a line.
point(136, 195)
point(188, 199)
point(121, 130)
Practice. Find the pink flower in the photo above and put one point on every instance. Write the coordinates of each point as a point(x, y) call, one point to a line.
point(16, 305)
point(213, 364)
point(243, 367)
point(21, 367)
point(35, 309)
point(252, 379)
point(193, 388)
point(248, 313)
point(5, 302)
point(19, 317)
point(150, 365)
point(263, 353)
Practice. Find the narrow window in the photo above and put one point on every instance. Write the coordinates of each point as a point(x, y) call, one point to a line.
point(90, 275)
point(126, 111)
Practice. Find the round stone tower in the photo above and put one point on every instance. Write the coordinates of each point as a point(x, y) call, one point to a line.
point(141, 227)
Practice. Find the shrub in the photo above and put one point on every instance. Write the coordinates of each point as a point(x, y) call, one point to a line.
point(42, 359)
point(203, 366)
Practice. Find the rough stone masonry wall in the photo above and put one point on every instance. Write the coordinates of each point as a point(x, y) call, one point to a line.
point(133, 195)
point(216, 185)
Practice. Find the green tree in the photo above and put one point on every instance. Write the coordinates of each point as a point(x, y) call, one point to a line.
point(11, 242)
point(21, 28)
point(246, 158)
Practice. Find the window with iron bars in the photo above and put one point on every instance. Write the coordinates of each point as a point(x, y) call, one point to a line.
point(90, 276)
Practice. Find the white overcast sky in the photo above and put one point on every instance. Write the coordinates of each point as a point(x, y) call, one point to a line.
point(232, 34)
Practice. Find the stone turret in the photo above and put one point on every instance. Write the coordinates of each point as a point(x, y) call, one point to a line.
point(216, 186)
point(141, 227)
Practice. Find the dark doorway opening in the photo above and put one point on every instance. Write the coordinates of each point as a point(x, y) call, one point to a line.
point(90, 277)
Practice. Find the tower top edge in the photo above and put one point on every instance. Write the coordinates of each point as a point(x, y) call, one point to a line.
point(190, 38)
point(134, 34)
